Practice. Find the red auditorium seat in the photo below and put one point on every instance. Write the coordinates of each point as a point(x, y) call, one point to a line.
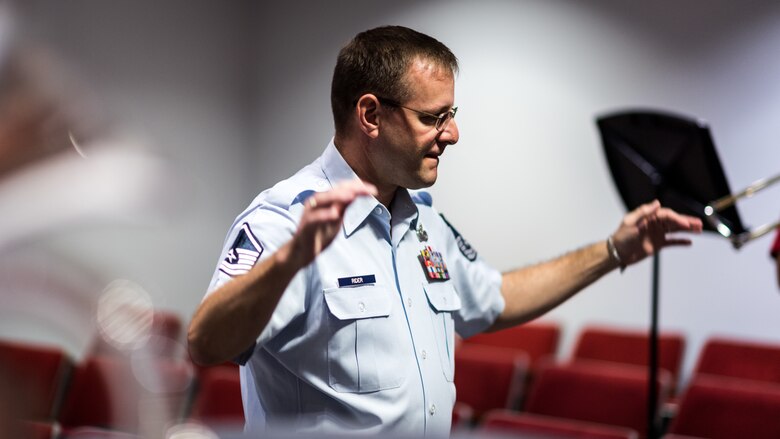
point(595, 392)
point(740, 359)
point(630, 346)
point(218, 397)
point(462, 415)
point(488, 377)
point(538, 339)
point(36, 430)
point(110, 392)
point(36, 375)
point(529, 425)
point(723, 408)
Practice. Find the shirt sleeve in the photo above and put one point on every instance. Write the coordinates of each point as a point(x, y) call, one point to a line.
point(478, 285)
point(254, 237)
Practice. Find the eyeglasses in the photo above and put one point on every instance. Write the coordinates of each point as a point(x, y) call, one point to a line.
point(440, 121)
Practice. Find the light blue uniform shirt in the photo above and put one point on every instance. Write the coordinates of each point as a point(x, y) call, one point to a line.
point(362, 339)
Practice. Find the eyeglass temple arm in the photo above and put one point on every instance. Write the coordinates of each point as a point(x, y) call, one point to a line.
point(729, 200)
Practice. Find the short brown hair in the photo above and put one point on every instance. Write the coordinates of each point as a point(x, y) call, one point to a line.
point(375, 61)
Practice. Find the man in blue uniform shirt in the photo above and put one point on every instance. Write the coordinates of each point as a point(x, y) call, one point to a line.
point(341, 289)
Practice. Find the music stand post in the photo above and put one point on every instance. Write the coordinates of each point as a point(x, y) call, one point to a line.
point(671, 158)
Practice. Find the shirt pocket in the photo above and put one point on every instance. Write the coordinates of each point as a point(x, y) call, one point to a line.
point(444, 301)
point(362, 347)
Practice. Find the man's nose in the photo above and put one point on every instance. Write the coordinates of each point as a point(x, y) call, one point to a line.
point(450, 133)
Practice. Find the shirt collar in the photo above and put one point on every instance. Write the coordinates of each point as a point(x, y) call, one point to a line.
point(336, 170)
point(405, 215)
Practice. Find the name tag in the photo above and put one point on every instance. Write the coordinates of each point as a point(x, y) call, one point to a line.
point(357, 280)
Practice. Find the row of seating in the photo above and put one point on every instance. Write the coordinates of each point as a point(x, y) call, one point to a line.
point(605, 382)
point(540, 340)
point(113, 393)
point(711, 408)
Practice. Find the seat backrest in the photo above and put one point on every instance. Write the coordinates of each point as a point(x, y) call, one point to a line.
point(112, 392)
point(740, 359)
point(32, 430)
point(604, 393)
point(630, 346)
point(36, 375)
point(462, 417)
point(721, 408)
point(530, 425)
point(488, 377)
point(218, 396)
point(537, 339)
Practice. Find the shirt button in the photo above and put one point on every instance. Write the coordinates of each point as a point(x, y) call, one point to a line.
point(409, 302)
point(432, 409)
point(378, 211)
point(362, 306)
point(424, 354)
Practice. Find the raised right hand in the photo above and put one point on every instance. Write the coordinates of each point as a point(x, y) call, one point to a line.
point(322, 216)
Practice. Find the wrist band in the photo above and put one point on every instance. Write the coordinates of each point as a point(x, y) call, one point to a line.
point(613, 253)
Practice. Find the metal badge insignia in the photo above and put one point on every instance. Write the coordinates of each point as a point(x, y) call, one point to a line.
point(433, 264)
point(422, 235)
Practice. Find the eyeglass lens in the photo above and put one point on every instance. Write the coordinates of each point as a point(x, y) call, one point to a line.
point(444, 119)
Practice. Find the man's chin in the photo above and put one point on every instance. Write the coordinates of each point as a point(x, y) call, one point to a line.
point(423, 182)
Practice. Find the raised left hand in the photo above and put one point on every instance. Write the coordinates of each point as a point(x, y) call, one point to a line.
point(645, 231)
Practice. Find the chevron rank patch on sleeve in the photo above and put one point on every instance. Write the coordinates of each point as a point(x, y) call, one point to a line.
point(243, 254)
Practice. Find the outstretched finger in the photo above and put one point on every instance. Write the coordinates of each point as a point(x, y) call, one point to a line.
point(671, 242)
point(642, 212)
point(675, 222)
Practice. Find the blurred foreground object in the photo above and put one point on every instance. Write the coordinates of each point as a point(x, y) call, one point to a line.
point(116, 183)
point(61, 162)
point(41, 104)
point(775, 253)
point(63, 166)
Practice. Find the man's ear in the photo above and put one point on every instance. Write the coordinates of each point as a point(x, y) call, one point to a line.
point(367, 109)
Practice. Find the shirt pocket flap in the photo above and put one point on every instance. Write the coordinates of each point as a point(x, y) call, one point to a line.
point(442, 296)
point(358, 302)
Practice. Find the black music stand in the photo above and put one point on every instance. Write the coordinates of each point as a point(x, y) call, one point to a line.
point(659, 155)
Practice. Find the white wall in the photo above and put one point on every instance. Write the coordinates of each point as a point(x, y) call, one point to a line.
point(528, 180)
